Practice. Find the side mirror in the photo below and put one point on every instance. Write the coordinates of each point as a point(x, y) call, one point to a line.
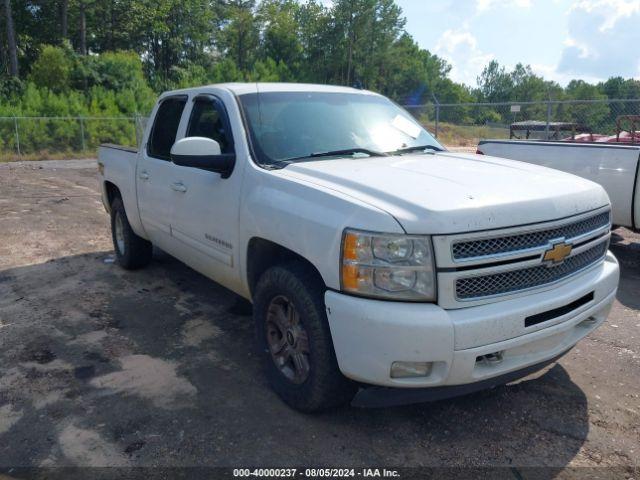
point(202, 153)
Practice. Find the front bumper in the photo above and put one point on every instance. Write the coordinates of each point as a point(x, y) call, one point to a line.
point(369, 335)
point(378, 397)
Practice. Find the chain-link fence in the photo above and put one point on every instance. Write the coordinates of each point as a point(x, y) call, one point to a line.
point(455, 125)
point(33, 138)
point(464, 124)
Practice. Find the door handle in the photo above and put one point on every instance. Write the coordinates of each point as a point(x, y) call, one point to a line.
point(143, 176)
point(179, 187)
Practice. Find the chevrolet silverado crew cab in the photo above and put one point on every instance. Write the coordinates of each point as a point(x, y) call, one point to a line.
point(382, 269)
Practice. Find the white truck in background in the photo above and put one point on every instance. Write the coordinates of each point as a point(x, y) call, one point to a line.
point(379, 264)
point(614, 166)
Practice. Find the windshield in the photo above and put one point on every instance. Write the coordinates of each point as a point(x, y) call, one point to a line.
point(292, 126)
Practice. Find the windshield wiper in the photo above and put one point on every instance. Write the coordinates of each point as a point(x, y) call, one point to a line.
point(349, 151)
point(416, 148)
point(337, 153)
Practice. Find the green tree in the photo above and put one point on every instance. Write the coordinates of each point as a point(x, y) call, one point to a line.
point(361, 40)
point(316, 35)
point(269, 71)
point(495, 84)
point(52, 69)
point(410, 74)
point(240, 35)
point(12, 47)
point(529, 87)
point(593, 115)
point(281, 33)
point(225, 71)
point(620, 88)
point(624, 89)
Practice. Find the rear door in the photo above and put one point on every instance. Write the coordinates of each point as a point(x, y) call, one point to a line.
point(154, 172)
point(206, 206)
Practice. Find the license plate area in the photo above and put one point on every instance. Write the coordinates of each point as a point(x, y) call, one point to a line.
point(558, 312)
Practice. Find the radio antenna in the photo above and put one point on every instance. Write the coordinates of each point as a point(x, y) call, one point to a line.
point(259, 103)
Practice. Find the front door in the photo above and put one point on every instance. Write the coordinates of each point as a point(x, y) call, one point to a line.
point(206, 206)
point(154, 171)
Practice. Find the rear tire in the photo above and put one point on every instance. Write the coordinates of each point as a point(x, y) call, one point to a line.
point(132, 251)
point(293, 333)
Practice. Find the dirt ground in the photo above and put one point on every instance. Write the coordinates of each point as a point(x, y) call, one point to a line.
point(99, 366)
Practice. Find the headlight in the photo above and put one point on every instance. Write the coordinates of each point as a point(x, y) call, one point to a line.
point(398, 267)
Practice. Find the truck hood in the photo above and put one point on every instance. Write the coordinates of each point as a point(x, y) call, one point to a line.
point(451, 192)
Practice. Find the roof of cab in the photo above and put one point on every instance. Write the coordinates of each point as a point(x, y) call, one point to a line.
point(245, 88)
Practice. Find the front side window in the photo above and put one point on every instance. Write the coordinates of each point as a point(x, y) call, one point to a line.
point(290, 126)
point(208, 120)
point(165, 127)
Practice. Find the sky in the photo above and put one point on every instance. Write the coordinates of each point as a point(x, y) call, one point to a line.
point(561, 39)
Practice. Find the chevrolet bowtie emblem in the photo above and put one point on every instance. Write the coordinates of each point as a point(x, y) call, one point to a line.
point(557, 253)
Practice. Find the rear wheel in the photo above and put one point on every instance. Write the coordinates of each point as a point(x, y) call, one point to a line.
point(132, 251)
point(294, 335)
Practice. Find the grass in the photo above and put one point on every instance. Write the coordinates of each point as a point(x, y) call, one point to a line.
point(467, 135)
point(6, 157)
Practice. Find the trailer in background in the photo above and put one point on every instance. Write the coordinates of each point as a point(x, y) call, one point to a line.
point(546, 130)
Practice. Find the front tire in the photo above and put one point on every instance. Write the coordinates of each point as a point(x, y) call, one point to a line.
point(293, 332)
point(132, 251)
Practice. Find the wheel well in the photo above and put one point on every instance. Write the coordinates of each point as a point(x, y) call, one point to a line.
point(112, 192)
point(263, 254)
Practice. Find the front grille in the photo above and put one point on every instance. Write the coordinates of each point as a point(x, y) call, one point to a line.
point(516, 280)
point(492, 246)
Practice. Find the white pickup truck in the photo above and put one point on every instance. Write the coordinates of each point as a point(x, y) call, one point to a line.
point(382, 269)
point(614, 166)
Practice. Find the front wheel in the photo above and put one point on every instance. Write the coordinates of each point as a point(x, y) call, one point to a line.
point(132, 251)
point(294, 335)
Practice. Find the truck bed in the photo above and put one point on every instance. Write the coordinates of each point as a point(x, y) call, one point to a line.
point(117, 165)
point(614, 166)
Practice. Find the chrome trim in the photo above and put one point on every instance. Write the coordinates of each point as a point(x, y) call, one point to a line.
point(450, 270)
point(526, 252)
point(413, 268)
point(537, 287)
point(545, 233)
point(526, 265)
point(490, 270)
point(443, 244)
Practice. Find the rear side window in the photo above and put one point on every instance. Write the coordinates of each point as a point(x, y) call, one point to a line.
point(208, 119)
point(165, 127)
